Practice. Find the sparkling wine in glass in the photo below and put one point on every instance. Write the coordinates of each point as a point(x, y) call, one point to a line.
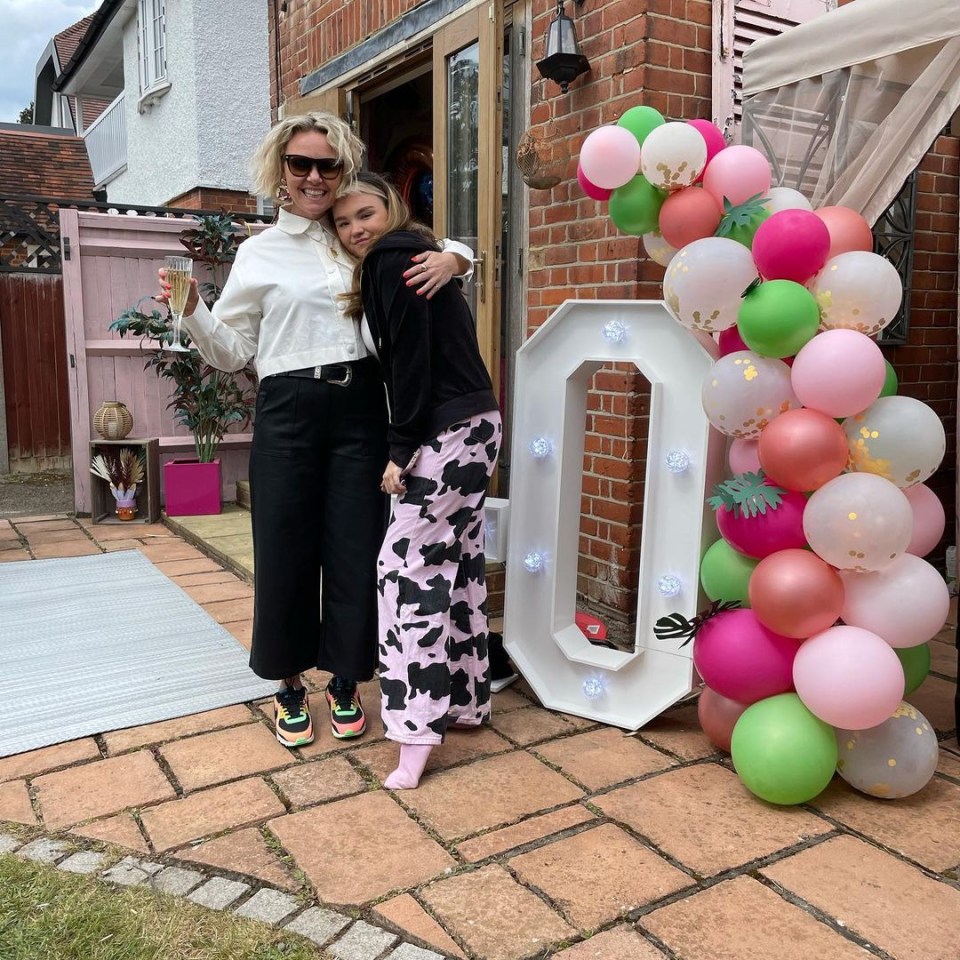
point(179, 271)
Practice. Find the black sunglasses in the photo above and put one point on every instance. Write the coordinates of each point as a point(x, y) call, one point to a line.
point(328, 167)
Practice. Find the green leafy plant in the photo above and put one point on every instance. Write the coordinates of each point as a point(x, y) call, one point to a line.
point(741, 221)
point(204, 400)
point(746, 494)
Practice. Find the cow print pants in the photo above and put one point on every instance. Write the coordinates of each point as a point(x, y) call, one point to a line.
point(432, 591)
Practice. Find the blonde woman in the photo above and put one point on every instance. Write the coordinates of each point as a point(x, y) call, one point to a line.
point(320, 437)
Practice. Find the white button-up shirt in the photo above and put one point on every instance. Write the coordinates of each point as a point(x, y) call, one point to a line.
point(280, 304)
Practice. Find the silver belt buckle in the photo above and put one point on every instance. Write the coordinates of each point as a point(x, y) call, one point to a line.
point(340, 383)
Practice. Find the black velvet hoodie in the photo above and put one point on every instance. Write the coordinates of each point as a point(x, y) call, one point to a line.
point(428, 348)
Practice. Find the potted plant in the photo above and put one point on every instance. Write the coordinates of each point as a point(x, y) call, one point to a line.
point(204, 400)
point(122, 471)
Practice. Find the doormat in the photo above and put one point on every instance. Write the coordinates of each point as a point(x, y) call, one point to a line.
point(92, 644)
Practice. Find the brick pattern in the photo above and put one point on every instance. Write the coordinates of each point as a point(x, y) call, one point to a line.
point(44, 164)
point(209, 198)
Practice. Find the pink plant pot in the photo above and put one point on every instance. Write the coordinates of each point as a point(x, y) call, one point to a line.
point(191, 488)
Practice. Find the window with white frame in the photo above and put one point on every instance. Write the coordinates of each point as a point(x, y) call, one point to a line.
point(153, 43)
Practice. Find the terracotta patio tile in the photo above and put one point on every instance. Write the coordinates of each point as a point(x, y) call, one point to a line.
point(326, 779)
point(380, 758)
point(530, 725)
point(536, 828)
point(31, 525)
point(117, 546)
point(206, 593)
point(507, 700)
point(144, 530)
point(224, 611)
point(704, 816)
point(943, 658)
point(36, 537)
point(352, 866)
point(14, 556)
point(922, 827)
point(213, 576)
point(949, 764)
point(48, 758)
point(603, 757)
point(462, 801)
point(96, 789)
point(15, 803)
point(599, 875)
point(225, 755)
point(121, 830)
point(885, 900)
point(43, 518)
point(411, 920)
point(120, 740)
point(743, 920)
point(495, 916)
point(244, 852)
point(176, 568)
point(935, 700)
point(65, 548)
point(173, 549)
point(241, 631)
point(678, 732)
point(619, 943)
point(210, 811)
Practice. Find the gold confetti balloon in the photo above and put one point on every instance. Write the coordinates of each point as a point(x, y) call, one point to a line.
point(898, 438)
point(673, 155)
point(892, 760)
point(657, 249)
point(857, 291)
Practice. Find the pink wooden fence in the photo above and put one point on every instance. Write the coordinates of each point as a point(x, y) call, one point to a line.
point(110, 262)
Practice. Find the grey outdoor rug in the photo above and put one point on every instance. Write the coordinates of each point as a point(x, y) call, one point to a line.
point(91, 644)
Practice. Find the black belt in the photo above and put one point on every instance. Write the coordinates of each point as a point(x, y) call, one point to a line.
point(337, 373)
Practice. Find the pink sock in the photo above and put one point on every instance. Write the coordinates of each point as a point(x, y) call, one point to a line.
point(413, 758)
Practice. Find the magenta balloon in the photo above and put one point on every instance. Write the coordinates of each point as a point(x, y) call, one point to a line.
point(714, 138)
point(591, 189)
point(848, 677)
point(791, 245)
point(730, 341)
point(742, 660)
point(763, 534)
point(743, 455)
point(929, 519)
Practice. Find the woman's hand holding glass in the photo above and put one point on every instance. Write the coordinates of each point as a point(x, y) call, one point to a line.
point(178, 289)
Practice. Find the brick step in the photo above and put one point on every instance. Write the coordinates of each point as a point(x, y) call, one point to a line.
point(243, 494)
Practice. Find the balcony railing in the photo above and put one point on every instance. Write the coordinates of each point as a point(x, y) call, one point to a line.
point(106, 140)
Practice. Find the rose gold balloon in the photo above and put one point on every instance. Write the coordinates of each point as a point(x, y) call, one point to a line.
point(803, 449)
point(848, 230)
point(718, 716)
point(795, 593)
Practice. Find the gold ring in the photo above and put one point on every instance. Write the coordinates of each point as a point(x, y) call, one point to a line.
point(423, 268)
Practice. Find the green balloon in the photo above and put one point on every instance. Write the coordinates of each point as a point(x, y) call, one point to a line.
point(890, 382)
point(640, 121)
point(916, 665)
point(635, 207)
point(725, 573)
point(782, 752)
point(777, 318)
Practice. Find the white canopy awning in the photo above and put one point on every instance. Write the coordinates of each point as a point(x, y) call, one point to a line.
point(847, 104)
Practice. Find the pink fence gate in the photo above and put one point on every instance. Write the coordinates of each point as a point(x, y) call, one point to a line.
point(110, 262)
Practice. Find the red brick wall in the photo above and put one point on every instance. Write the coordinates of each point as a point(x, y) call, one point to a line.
point(206, 198)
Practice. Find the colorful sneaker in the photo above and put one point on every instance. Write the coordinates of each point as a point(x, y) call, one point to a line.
point(291, 712)
point(346, 712)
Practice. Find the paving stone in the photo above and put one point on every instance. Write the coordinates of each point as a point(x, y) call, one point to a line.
point(598, 875)
point(619, 943)
point(83, 861)
point(15, 803)
point(704, 816)
point(73, 534)
point(943, 659)
point(204, 593)
point(131, 872)
point(122, 740)
point(35, 762)
point(175, 568)
point(603, 757)
point(102, 787)
point(224, 611)
point(173, 549)
point(210, 811)
point(480, 907)
point(506, 700)
point(922, 827)
point(241, 631)
point(535, 828)
point(213, 576)
point(176, 881)
point(949, 764)
point(741, 919)
point(678, 731)
point(44, 850)
point(324, 779)
point(268, 906)
point(121, 830)
point(530, 725)
point(362, 941)
point(886, 901)
point(355, 865)
point(935, 700)
point(211, 758)
point(511, 786)
point(408, 951)
point(317, 924)
point(243, 851)
point(218, 893)
point(65, 548)
point(412, 920)
point(8, 844)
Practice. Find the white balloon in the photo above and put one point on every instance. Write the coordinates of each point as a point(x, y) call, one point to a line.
point(858, 291)
point(673, 155)
point(786, 198)
point(658, 249)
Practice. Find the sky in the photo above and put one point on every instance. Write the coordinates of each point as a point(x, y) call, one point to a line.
point(26, 27)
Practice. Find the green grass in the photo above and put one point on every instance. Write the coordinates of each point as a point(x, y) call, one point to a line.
point(46, 914)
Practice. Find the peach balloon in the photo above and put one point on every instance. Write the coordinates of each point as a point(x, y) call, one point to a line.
point(848, 230)
point(743, 457)
point(929, 519)
point(718, 715)
point(688, 215)
point(803, 449)
point(796, 594)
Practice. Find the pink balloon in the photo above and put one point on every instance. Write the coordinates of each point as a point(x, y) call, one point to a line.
point(743, 456)
point(849, 678)
point(714, 138)
point(765, 533)
point(929, 519)
point(839, 372)
point(591, 189)
point(906, 603)
point(610, 157)
point(730, 341)
point(741, 659)
point(737, 174)
point(718, 716)
point(791, 245)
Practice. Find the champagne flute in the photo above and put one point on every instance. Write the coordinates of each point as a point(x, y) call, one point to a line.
point(179, 271)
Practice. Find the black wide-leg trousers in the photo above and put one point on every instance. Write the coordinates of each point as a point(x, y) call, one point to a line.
point(319, 451)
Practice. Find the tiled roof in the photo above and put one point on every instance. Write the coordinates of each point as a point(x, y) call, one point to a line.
point(44, 164)
point(66, 41)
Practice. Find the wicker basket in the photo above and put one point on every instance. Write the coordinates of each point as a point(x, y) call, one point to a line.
point(113, 421)
point(540, 158)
